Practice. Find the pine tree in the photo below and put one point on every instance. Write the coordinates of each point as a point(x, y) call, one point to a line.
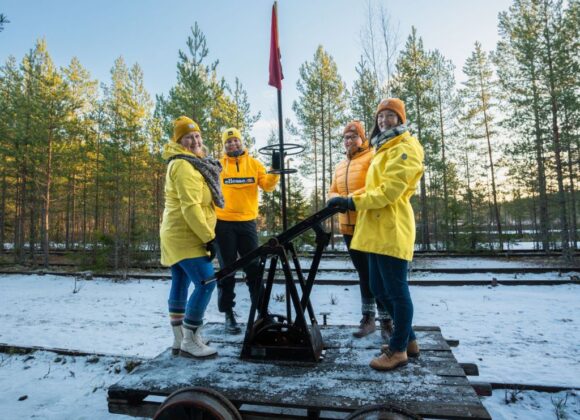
point(445, 100)
point(412, 84)
point(520, 78)
point(243, 118)
point(321, 112)
point(364, 98)
point(479, 99)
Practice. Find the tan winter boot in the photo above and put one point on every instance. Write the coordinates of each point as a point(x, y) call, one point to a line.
point(389, 360)
point(412, 349)
point(194, 346)
point(367, 326)
point(386, 328)
point(177, 339)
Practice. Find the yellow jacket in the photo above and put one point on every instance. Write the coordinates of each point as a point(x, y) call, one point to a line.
point(349, 179)
point(189, 216)
point(386, 223)
point(241, 176)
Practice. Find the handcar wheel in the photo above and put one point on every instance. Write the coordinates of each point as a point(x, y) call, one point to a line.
point(197, 403)
point(383, 412)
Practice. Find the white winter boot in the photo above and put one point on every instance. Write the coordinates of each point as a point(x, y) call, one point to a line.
point(193, 345)
point(177, 339)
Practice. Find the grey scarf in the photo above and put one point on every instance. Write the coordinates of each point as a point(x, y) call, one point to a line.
point(381, 138)
point(210, 169)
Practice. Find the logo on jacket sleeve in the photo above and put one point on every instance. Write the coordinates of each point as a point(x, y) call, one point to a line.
point(237, 181)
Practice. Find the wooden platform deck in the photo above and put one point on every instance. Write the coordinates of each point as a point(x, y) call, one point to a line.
point(434, 386)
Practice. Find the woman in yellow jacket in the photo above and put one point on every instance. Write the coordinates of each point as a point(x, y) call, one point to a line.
point(192, 187)
point(349, 179)
point(386, 225)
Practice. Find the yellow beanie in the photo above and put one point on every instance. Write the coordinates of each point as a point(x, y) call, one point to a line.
point(182, 126)
point(231, 132)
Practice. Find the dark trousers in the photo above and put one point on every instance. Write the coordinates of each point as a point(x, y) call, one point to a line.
point(236, 239)
point(388, 280)
point(361, 264)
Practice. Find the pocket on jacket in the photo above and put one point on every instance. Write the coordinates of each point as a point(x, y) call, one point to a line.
point(385, 216)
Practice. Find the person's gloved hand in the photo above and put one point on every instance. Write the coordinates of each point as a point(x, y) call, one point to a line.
point(212, 248)
point(341, 203)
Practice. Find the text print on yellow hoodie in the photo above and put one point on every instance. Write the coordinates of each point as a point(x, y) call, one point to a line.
point(241, 176)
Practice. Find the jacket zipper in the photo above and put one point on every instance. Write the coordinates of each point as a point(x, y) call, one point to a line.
point(346, 185)
point(237, 165)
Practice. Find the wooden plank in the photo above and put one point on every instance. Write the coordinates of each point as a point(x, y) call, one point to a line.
point(483, 389)
point(344, 387)
point(434, 385)
point(470, 369)
point(334, 336)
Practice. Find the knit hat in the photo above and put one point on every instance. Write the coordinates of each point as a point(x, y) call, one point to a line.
point(182, 126)
point(395, 105)
point(356, 127)
point(231, 132)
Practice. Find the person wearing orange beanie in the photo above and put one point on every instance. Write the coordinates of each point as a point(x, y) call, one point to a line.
point(348, 180)
point(385, 226)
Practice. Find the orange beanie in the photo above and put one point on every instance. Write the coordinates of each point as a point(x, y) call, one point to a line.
point(395, 105)
point(357, 127)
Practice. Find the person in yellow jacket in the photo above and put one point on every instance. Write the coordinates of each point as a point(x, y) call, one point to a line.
point(385, 226)
point(192, 188)
point(236, 230)
point(349, 179)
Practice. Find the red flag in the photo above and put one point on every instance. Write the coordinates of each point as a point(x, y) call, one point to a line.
point(276, 75)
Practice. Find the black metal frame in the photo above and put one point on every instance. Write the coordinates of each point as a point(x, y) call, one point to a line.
point(277, 337)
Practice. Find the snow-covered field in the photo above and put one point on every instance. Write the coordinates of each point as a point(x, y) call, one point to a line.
point(523, 334)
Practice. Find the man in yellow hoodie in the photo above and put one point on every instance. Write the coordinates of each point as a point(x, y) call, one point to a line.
point(236, 231)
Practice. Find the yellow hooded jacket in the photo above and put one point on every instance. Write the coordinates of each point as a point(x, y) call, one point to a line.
point(189, 217)
point(385, 219)
point(241, 176)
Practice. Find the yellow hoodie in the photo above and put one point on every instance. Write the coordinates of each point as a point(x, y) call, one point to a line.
point(241, 176)
point(189, 217)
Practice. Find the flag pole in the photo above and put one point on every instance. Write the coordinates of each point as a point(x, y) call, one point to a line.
point(276, 77)
point(282, 163)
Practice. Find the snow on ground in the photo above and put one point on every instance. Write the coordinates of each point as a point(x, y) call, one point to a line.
point(531, 405)
point(523, 334)
point(442, 262)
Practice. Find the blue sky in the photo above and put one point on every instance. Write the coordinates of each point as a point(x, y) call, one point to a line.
point(151, 33)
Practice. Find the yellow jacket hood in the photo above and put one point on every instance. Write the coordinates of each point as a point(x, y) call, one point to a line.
point(171, 149)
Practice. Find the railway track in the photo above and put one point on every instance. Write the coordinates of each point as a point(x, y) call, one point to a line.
point(419, 254)
point(84, 275)
point(468, 367)
point(435, 270)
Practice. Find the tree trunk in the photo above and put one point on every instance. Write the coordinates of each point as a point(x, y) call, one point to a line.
point(444, 163)
point(425, 241)
point(539, 149)
point(493, 187)
point(565, 235)
point(46, 205)
point(3, 213)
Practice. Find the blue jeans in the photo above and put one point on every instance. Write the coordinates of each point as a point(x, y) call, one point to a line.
point(388, 281)
point(191, 270)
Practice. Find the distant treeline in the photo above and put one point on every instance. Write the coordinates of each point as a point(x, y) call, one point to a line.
point(81, 160)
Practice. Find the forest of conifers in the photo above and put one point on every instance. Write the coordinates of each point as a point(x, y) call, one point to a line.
point(81, 166)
